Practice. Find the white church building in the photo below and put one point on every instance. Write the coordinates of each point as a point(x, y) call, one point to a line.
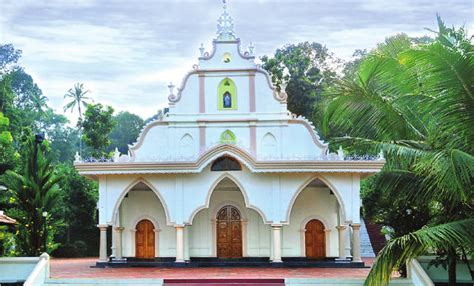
point(229, 173)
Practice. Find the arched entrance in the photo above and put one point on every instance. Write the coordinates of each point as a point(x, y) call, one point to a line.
point(315, 240)
point(145, 239)
point(229, 232)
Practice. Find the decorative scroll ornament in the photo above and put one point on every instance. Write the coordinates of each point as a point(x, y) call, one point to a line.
point(281, 95)
point(225, 26)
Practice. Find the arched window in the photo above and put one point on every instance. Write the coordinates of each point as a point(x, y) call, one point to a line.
point(227, 95)
point(226, 163)
point(228, 137)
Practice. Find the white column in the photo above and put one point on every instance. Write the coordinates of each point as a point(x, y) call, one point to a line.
point(356, 242)
point(340, 232)
point(118, 242)
point(327, 237)
point(276, 230)
point(179, 243)
point(103, 243)
point(347, 241)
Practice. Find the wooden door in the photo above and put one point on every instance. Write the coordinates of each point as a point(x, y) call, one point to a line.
point(145, 240)
point(315, 239)
point(229, 233)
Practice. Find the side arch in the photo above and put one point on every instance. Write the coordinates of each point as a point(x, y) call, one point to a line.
point(142, 217)
point(310, 218)
point(149, 185)
point(304, 185)
point(212, 189)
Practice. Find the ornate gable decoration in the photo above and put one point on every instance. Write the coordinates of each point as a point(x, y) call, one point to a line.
point(225, 26)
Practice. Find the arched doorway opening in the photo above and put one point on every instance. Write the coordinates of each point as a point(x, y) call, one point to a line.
point(145, 239)
point(229, 232)
point(315, 239)
point(313, 216)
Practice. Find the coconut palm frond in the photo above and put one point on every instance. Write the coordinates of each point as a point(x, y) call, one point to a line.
point(407, 247)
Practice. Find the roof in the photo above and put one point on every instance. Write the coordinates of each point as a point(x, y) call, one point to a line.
point(4, 219)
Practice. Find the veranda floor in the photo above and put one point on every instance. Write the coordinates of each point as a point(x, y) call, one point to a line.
point(81, 268)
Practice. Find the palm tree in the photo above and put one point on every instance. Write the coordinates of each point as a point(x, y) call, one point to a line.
point(78, 98)
point(416, 104)
point(34, 191)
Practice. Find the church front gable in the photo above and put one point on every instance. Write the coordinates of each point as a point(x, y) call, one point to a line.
point(228, 172)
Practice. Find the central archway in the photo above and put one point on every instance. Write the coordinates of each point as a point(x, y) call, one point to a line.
point(222, 228)
point(229, 232)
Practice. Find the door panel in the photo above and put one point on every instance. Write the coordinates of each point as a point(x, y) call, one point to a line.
point(229, 233)
point(315, 239)
point(145, 240)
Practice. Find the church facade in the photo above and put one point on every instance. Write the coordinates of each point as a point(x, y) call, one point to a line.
point(229, 172)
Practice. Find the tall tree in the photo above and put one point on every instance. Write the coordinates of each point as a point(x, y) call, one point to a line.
point(78, 98)
point(97, 124)
point(126, 131)
point(306, 69)
point(416, 104)
point(33, 191)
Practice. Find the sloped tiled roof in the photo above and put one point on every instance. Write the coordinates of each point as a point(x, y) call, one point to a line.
point(4, 219)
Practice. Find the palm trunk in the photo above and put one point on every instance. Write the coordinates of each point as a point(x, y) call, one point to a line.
point(452, 267)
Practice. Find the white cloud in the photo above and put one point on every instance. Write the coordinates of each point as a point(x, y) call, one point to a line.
point(126, 52)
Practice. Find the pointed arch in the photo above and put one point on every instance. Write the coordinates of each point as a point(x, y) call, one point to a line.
point(242, 191)
point(303, 187)
point(186, 145)
point(227, 95)
point(269, 139)
point(129, 188)
point(228, 137)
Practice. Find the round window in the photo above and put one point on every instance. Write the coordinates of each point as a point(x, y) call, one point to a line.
point(226, 58)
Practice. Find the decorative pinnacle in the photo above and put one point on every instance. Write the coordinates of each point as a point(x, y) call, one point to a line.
point(225, 25)
point(201, 49)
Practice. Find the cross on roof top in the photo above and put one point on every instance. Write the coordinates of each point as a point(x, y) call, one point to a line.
point(225, 25)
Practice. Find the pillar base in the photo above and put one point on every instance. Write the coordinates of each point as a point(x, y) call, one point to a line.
point(180, 261)
point(342, 260)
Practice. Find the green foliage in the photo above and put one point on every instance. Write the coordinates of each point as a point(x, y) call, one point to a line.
point(442, 237)
point(97, 125)
point(126, 131)
point(307, 69)
point(416, 103)
point(32, 191)
point(8, 56)
point(79, 197)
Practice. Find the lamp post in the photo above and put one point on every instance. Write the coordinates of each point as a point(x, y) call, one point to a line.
point(45, 215)
point(39, 138)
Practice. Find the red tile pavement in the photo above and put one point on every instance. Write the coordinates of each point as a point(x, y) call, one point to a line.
point(80, 268)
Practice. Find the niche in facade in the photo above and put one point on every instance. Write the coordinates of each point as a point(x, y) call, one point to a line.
point(228, 137)
point(227, 95)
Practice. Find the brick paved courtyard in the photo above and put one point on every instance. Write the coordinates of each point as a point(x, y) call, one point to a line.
point(80, 268)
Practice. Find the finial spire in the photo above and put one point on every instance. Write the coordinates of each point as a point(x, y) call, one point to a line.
point(225, 25)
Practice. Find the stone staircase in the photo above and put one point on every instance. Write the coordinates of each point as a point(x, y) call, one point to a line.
point(366, 248)
point(224, 282)
point(377, 239)
point(334, 281)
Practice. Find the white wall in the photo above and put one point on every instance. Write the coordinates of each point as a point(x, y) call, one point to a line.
point(312, 203)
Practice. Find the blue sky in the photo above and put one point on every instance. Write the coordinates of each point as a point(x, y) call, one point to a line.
point(127, 51)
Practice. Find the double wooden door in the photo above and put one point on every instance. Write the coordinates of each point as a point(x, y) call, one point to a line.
point(229, 233)
point(315, 239)
point(145, 240)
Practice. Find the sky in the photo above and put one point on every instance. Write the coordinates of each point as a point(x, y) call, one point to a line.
point(127, 51)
